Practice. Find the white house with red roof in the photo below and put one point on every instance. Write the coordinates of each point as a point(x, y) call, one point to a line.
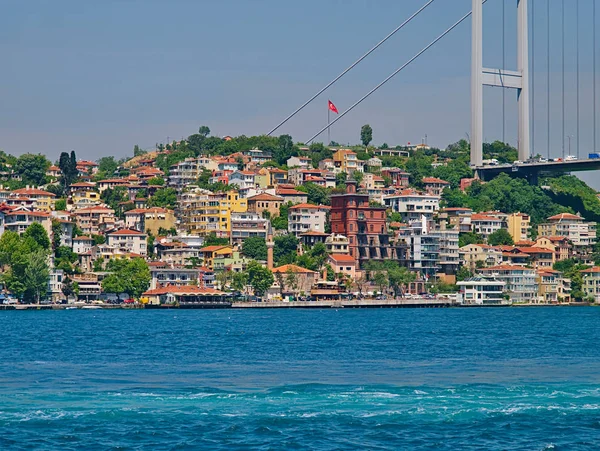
point(580, 232)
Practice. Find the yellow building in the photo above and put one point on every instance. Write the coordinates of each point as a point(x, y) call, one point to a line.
point(203, 212)
point(518, 226)
point(345, 160)
point(42, 200)
point(215, 254)
point(262, 178)
point(150, 220)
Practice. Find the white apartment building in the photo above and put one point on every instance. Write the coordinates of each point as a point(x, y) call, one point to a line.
point(574, 227)
point(412, 205)
point(128, 240)
point(183, 173)
point(247, 225)
point(520, 282)
point(306, 217)
point(485, 225)
point(481, 290)
point(244, 180)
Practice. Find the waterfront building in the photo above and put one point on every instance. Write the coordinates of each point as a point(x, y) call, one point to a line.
point(449, 257)
point(591, 283)
point(423, 255)
point(520, 281)
point(302, 279)
point(480, 290)
point(160, 277)
point(343, 264)
point(337, 244)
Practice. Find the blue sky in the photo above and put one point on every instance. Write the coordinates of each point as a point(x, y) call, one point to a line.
point(99, 77)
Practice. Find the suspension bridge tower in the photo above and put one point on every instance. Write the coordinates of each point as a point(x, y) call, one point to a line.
point(502, 78)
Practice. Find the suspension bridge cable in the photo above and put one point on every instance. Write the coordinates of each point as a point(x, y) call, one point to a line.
point(328, 85)
point(577, 52)
point(548, 75)
point(563, 79)
point(396, 72)
point(532, 77)
point(594, 62)
point(503, 68)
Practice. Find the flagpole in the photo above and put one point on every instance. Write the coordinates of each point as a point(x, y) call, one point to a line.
point(328, 129)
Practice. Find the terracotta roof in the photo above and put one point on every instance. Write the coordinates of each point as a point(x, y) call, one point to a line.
point(86, 163)
point(29, 213)
point(314, 233)
point(33, 191)
point(124, 181)
point(293, 268)
point(265, 197)
point(595, 269)
point(535, 250)
point(54, 168)
point(342, 258)
point(126, 232)
point(564, 216)
point(83, 185)
point(435, 180)
point(138, 211)
point(289, 192)
point(309, 206)
point(83, 238)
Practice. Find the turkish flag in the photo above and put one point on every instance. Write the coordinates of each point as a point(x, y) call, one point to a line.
point(332, 107)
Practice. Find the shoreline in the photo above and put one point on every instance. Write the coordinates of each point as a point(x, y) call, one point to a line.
point(306, 305)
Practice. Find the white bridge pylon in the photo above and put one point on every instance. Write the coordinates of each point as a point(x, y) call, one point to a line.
point(509, 79)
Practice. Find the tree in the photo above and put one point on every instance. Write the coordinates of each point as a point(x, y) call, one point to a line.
point(223, 278)
point(366, 135)
point(204, 131)
point(255, 248)
point(60, 205)
point(138, 151)
point(285, 249)
point(164, 197)
point(399, 278)
point(259, 277)
point(239, 281)
point(56, 234)
point(127, 276)
point(36, 276)
point(500, 237)
point(466, 238)
point(291, 280)
point(107, 166)
point(38, 234)
point(212, 240)
point(463, 273)
point(32, 168)
point(316, 194)
point(69, 288)
point(156, 181)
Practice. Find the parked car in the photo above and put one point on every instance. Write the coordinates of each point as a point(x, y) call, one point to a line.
point(129, 301)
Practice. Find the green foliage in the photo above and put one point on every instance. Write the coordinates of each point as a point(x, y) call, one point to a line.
point(316, 194)
point(571, 269)
point(32, 168)
point(239, 281)
point(502, 152)
point(453, 171)
point(319, 152)
point(164, 197)
point(281, 222)
point(98, 265)
point(70, 288)
point(500, 237)
point(419, 166)
point(107, 166)
point(156, 181)
point(255, 248)
point(56, 234)
point(463, 273)
point(138, 151)
point(314, 258)
point(366, 134)
point(60, 205)
point(36, 276)
point(212, 240)
point(571, 191)
point(259, 277)
point(114, 196)
point(127, 276)
point(98, 239)
point(285, 249)
point(466, 238)
point(389, 274)
point(38, 234)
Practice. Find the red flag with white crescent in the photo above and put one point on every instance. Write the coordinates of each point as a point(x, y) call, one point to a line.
point(332, 107)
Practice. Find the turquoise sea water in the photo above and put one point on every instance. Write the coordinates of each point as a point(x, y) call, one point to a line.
point(447, 379)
